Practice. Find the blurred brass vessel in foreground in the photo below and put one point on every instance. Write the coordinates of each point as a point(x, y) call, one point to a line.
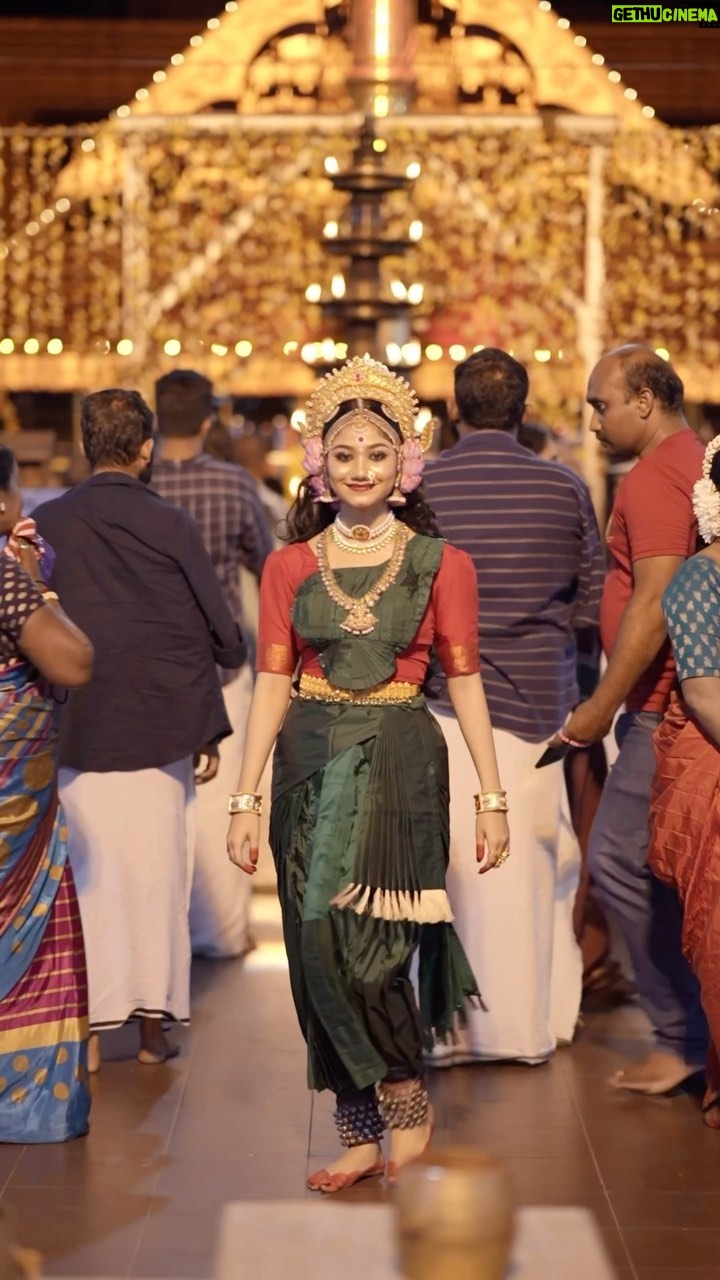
point(454, 1215)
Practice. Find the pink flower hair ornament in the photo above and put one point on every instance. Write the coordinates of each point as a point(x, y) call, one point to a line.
point(412, 465)
point(314, 458)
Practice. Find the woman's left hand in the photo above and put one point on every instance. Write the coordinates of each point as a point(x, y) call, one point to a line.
point(492, 837)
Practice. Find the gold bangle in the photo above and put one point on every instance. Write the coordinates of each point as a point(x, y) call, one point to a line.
point(245, 802)
point(491, 802)
point(50, 595)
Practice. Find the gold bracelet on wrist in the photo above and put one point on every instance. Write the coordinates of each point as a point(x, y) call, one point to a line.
point(491, 802)
point(50, 595)
point(245, 802)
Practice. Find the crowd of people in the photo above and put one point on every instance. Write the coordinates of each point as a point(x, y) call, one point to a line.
point(429, 630)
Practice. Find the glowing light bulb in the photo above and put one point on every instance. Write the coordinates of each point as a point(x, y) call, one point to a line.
point(412, 352)
point(142, 95)
point(649, 112)
point(289, 349)
point(62, 205)
point(7, 346)
point(313, 293)
point(172, 347)
point(662, 352)
point(243, 348)
point(159, 77)
point(413, 170)
point(87, 144)
point(542, 356)
point(434, 352)
point(337, 287)
point(416, 229)
point(415, 294)
point(218, 349)
point(330, 230)
point(125, 347)
point(331, 165)
point(177, 59)
point(123, 111)
point(398, 290)
point(31, 347)
point(458, 351)
point(54, 347)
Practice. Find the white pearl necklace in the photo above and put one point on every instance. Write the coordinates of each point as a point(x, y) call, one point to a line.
point(359, 539)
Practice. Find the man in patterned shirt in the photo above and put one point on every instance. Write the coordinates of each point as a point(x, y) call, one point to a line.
point(223, 501)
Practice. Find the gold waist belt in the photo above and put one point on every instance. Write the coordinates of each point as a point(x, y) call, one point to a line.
point(318, 689)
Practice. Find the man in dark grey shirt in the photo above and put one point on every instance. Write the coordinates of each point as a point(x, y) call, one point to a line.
point(530, 529)
point(133, 572)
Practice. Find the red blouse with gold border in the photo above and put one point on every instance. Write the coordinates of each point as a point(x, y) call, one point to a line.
point(449, 623)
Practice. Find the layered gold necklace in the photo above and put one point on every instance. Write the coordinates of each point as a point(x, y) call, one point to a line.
point(361, 620)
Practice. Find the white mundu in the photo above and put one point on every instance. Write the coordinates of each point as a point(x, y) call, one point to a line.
point(221, 895)
point(130, 845)
point(515, 922)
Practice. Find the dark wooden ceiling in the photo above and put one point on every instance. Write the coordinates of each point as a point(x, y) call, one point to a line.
point(75, 60)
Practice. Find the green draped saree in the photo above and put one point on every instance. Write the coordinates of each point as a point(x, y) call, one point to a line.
point(360, 835)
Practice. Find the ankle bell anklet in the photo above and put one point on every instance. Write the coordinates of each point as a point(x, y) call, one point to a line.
point(359, 1123)
point(407, 1109)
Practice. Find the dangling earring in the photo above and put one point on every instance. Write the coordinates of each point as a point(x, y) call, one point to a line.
point(396, 499)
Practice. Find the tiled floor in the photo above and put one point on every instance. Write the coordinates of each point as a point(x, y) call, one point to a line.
point(231, 1119)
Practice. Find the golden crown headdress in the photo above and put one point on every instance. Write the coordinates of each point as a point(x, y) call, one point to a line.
point(363, 378)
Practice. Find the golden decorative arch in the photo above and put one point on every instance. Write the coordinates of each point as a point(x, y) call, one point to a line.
point(278, 56)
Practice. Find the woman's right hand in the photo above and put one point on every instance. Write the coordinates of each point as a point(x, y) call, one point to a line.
point(243, 841)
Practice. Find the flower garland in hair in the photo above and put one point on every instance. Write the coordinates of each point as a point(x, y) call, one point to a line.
point(706, 497)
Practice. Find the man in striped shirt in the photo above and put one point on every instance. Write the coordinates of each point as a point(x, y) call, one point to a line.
point(530, 528)
point(223, 501)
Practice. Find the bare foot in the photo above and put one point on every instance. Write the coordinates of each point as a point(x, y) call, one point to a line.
point(659, 1073)
point(353, 1164)
point(711, 1109)
point(93, 1065)
point(407, 1144)
point(155, 1047)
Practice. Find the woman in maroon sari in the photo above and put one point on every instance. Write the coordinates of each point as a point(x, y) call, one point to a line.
point(43, 986)
point(685, 815)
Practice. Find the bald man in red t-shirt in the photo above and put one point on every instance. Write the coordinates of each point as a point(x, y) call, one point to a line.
point(637, 400)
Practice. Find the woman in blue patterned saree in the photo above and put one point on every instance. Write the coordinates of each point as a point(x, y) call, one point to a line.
point(43, 986)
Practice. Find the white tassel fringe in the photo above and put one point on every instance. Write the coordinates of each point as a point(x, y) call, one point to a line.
point(429, 906)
